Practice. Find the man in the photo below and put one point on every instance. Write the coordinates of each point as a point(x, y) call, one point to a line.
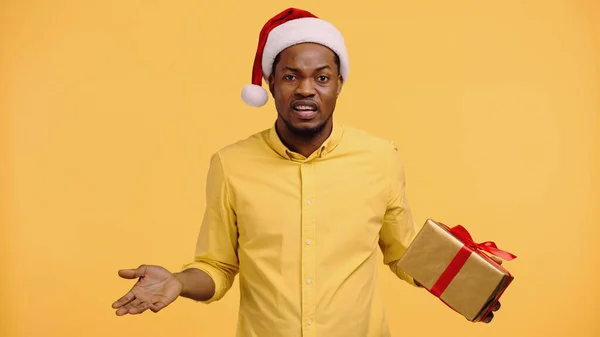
point(298, 210)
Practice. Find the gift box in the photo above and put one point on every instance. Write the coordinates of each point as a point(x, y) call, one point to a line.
point(451, 266)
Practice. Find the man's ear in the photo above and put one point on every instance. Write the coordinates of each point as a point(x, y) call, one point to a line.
point(271, 85)
point(340, 81)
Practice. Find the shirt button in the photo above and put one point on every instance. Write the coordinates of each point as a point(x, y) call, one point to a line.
point(308, 281)
point(308, 202)
point(308, 242)
point(309, 322)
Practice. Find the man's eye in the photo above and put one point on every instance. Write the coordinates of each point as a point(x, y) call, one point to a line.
point(289, 77)
point(323, 78)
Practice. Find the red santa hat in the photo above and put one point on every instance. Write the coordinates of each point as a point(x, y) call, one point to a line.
point(288, 28)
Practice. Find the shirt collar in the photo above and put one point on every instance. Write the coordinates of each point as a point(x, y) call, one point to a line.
point(328, 145)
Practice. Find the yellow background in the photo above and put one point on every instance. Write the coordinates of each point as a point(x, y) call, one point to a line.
point(111, 109)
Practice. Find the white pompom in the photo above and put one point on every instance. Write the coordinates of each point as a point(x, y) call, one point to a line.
point(254, 95)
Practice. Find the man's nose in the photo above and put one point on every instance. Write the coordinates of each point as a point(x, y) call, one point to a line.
point(306, 88)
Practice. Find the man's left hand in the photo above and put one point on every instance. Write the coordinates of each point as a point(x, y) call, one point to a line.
point(490, 316)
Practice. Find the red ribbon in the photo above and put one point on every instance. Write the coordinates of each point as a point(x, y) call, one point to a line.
point(463, 255)
point(463, 235)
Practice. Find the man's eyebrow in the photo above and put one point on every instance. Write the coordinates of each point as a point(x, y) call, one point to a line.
point(297, 70)
point(323, 67)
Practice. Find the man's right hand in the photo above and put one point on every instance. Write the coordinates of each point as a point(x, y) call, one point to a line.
point(155, 289)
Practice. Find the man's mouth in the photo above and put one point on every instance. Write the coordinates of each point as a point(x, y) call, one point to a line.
point(305, 106)
point(305, 109)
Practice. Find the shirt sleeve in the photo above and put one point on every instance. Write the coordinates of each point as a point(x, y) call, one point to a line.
point(216, 248)
point(398, 228)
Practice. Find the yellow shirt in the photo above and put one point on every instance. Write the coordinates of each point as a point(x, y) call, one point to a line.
point(303, 233)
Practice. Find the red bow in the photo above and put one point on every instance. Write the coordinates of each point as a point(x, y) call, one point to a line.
point(461, 233)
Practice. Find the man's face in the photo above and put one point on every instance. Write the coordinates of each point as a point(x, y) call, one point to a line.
point(305, 85)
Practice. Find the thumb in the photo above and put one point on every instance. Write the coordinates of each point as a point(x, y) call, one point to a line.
point(132, 273)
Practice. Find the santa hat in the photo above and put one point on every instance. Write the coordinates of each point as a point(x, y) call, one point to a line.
point(288, 28)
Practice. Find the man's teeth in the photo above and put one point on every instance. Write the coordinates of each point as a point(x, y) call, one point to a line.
point(304, 107)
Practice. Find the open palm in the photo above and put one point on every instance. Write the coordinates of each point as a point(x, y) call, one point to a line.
point(155, 289)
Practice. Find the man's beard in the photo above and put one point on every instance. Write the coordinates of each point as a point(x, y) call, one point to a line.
point(306, 133)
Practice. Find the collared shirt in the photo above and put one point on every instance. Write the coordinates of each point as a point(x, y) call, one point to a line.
point(303, 233)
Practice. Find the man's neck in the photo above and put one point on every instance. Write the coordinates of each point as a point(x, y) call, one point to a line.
point(299, 144)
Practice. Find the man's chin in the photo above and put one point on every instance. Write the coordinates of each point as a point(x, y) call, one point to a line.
point(305, 128)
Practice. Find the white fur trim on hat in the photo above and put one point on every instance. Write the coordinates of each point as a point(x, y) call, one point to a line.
point(300, 31)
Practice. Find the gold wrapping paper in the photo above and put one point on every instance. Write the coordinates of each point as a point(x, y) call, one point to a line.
point(474, 289)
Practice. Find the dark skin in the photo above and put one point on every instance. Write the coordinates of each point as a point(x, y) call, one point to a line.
point(307, 75)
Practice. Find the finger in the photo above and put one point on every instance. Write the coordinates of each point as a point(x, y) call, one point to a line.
point(123, 300)
point(132, 273)
point(122, 311)
point(497, 260)
point(156, 307)
point(496, 306)
point(133, 303)
point(138, 309)
point(488, 318)
point(158, 302)
point(127, 308)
